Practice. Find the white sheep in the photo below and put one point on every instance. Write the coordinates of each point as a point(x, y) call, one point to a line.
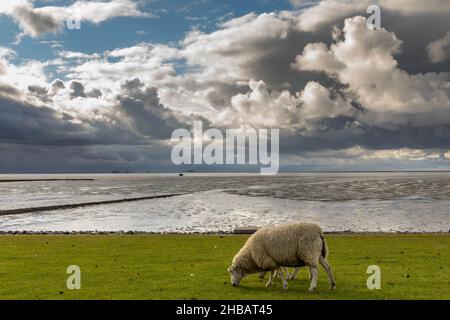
point(292, 245)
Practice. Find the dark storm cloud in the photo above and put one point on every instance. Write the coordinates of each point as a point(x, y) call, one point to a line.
point(142, 107)
point(335, 134)
point(40, 139)
point(84, 158)
point(417, 32)
point(25, 123)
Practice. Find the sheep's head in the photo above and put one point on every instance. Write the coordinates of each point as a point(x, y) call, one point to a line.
point(236, 275)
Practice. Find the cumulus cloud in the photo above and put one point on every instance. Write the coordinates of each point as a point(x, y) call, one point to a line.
point(316, 57)
point(56, 86)
point(219, 64)
point(261, 108)
point(439, 50)
point(335, 88)
point(151, 63)
point(94, 93)
point(318, 103)
point(364, 60)
point(77, 90)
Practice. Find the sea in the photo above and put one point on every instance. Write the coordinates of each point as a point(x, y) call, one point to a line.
point(339, 202)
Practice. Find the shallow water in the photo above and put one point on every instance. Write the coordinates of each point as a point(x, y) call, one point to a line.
point(388, 202)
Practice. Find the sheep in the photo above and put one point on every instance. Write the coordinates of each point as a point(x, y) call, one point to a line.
point(291, 245)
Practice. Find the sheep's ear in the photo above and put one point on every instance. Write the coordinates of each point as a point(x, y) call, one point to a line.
point(229, 269)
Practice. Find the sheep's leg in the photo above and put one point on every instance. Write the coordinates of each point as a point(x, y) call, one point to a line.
point(286, 272)
point(281, 275)
point(314, 275)
point(327, 268)
point(294, 274)
point(262, 275)
point(271, 276)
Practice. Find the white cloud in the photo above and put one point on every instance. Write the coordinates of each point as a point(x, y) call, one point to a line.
point(50, 19)
point(21, 76)
point(150, 63)
point(6, 53)
point(224, 53)
point(439, 50)
point(316, 56)
point(77, 55)
point(261, 108)
point(318, 104)
point(365, 61)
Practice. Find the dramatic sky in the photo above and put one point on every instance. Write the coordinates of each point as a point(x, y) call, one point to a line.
point(108, 96)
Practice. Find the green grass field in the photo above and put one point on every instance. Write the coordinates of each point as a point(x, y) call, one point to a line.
point(194, 267)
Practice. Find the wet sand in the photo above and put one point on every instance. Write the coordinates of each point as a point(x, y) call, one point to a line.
point(409, 203)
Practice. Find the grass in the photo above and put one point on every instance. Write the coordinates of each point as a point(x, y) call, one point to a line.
point(194, 267)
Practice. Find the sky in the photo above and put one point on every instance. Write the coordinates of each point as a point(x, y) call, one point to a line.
point(107, 96)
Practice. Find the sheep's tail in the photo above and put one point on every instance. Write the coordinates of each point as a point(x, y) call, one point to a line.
point(324, 247)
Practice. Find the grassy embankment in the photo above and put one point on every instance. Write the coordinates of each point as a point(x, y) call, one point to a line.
point(194, 267)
